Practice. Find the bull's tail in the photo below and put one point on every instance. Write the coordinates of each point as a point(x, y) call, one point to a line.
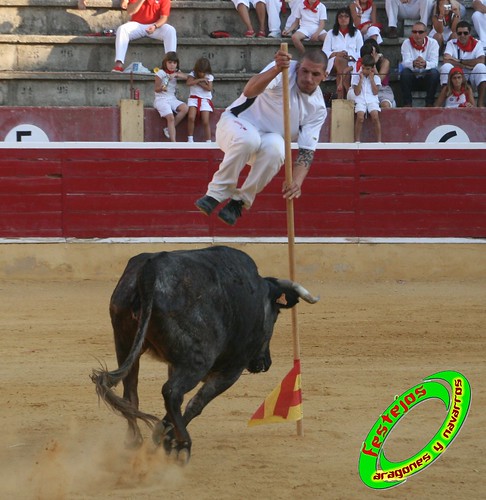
point(106, 380)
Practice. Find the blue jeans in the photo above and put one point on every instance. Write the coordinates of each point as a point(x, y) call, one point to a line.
point(427, 80)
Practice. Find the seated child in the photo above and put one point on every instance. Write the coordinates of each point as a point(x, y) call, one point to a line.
point(310, 18)
point(166, 102)
point(366, 84)
point(200, 79)
point(457, 93)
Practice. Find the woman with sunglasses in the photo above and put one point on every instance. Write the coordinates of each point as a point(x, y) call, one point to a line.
point(342, 46)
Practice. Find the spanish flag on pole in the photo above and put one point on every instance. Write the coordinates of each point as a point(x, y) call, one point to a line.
point(284, 403)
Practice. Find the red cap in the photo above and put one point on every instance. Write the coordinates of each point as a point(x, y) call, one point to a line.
point(455, 70)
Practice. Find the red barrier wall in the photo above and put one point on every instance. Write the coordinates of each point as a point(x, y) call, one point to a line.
point(92, 124)
point(350, 192)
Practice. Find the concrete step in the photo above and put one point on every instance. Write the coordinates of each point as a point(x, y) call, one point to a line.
point(98, 89)
point(86, 53)
point(48, 59)
point(66, 70)
point(191, 18)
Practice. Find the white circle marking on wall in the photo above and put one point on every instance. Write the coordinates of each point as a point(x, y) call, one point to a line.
point(26, 133)
point(447, 133)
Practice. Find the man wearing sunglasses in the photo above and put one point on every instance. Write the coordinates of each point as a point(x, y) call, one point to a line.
point(407, 9)
point(420, 59)
point(466, 53)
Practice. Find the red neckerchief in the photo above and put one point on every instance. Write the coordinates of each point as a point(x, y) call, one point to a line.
point(368, 5)
point(414, 44)
point(169, 72)
point(459, 94)
point(310, 7)
point(470, 45)
point(344, 31)
point(358, 64)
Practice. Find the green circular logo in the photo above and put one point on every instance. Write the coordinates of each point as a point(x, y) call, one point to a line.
point(379, 473)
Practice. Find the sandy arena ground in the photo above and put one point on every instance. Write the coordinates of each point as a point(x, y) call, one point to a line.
point(362, 344)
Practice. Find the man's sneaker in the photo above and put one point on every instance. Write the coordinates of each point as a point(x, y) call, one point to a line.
point(274, 34)
point(166, 132)
point(231, 212)
point(392, 32)
point(117, 69)
point(206, 204)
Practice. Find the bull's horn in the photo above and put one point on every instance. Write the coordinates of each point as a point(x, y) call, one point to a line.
point(303, 293)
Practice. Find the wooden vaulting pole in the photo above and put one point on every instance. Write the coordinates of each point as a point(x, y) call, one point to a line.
point(290, 212)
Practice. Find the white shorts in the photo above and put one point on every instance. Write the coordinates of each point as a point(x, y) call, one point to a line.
point(308, 32)
point(248, 3)
point(206, 104)
point(166, 105)
point(366, 106)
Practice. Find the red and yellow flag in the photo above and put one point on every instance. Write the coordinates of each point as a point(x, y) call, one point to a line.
point(284, 403)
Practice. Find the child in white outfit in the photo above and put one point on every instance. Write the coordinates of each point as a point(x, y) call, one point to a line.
point(310, 18)
point(366, 85)
point(166, 102)
point(201, 82)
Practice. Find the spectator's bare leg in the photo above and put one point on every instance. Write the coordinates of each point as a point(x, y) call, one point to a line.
point(191, 120)
point(358, 125)
point(171, 127)
point(341, 66)
point(82, 4)
point(297, 40)
point(245, 16)
point(375, 118)
point(261, 12)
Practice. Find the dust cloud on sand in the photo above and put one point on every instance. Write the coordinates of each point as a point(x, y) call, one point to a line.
point(363, 343)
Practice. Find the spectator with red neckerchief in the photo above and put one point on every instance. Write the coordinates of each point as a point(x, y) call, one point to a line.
point(447, 13)
point(457, 93)
point(310, 19)
point(420, 58)
point(466, 53)
point(342, 47)
point(363, 13)
point(148, 18)
point(200, 79)
point(166, 102)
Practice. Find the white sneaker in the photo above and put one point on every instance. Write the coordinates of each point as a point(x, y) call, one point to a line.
point(166, 133)
point(190, 139)
point(274, 34)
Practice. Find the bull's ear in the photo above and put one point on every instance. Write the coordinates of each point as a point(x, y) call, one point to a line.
point(282, 300)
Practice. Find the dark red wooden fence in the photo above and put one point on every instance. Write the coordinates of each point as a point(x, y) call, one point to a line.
point(100, 193)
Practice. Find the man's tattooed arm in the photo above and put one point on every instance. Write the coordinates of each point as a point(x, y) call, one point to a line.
point(304, 158)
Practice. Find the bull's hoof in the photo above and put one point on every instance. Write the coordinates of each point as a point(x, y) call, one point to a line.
point(163, 434)
point(183, 456)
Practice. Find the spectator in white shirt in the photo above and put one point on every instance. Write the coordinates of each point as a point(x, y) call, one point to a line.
point(420, 58)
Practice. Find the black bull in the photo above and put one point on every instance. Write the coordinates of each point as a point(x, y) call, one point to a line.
point(208, 314)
